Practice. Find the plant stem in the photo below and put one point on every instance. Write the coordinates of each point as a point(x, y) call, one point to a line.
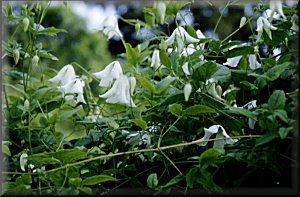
point(171, 162)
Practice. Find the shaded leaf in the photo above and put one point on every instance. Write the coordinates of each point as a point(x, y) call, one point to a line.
point(152, 181)
point(141, 123)
point(267, 137)
point(175, 109)
point(94, 180)
point(197, 109)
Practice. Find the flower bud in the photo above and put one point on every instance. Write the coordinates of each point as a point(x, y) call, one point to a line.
point(26, 105)
point(219, 90)
point(137, 27)
point(161, 9)
point(16, 55)
point(187, 91)
point(23, 161)
point(242, 21)
point(35, 60)
point(132, 83)
point(25, 23)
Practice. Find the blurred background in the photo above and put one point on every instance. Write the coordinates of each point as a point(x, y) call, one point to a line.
point(84, 44)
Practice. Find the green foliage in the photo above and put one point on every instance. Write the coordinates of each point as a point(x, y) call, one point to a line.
point(57, 145)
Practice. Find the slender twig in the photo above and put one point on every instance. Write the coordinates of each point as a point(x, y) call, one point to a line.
point(136, 151)
point(170, 161)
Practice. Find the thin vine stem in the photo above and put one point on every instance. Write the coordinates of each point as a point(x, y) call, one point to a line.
point(136, 151)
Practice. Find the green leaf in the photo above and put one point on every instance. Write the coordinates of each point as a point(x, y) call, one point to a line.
point(164, 59)
point(205, 71)
point(131, 54)
point(244, 112)
point(248, 84)
point(69, 155)
point(17, 89)
point(51, 31)
point(145, 83)
point(276, 71)
point(244, 50)
point(214, 45)
point(140, 123)
point(191, 176)
point(277, 100)
point(173, 181)
point(210, 156)
point(282, 114)
point(152, 181)
point(164, 84)
point(86, 190)
point(197, 109)
point(5, 149)
point(94, 180)
point(175, 109)
point(283, 132)
point(267, 137)
point(222, 73)
point(43, 158)
point(226, 46)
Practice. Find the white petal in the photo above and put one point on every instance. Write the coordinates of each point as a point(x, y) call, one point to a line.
point(260, 24)
point(132, 83)
point(155, 60)
point(233, 61)
point(212, 91)
point(64, 76)
point(200, 34)
point(253, 63)
point(185, 36)
point(109, 73)
point(185, 68)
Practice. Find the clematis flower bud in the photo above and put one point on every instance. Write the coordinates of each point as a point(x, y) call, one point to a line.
point(35, 60)
point(25, 22)
point(132, 83)
point(23, 161)
point(187, 91)
point(16, 55)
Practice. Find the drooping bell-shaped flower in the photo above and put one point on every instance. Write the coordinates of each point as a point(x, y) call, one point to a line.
point(73, 87)
point(253, 63)
point(110, 27)
point(180, 36)
point(111, 71)
point(64, 76)
point(185, 68)
point(120, 92)
point(233, 61)
point(264, 24)
point(132, 83)
point(155, 60)
point(189, 50)
point(211, 88)
point(215, 129)
point(276, 6)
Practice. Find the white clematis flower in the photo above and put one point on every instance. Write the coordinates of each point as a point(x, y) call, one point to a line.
point(64, 76)
point(185, 68)
point(264, 24)
point(211, 88)
point(253, 63)
point(110, 27)
point(120, 92)
point(73, 87)
point(180, 35)
point(233, 61)
point(276, 6)
point(215, 129)
point(111, 71)
point(155, 60)
point(132, 83)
